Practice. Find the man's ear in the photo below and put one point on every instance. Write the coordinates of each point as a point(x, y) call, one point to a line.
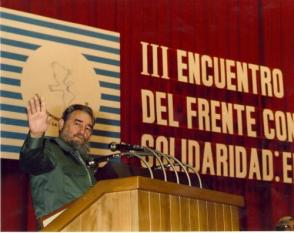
point(60, 124)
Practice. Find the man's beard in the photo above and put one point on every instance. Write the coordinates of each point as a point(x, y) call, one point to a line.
point(83, 147)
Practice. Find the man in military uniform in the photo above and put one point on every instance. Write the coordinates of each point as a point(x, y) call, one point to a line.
point(57, 166)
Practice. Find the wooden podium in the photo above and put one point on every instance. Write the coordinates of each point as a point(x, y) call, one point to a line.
point(144, 204)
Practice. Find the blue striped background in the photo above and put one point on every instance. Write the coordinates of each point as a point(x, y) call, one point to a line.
point(15, 81)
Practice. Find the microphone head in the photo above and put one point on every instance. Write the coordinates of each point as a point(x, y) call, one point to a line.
point(112, 146)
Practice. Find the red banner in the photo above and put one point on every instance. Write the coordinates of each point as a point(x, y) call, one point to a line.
point(210, 82)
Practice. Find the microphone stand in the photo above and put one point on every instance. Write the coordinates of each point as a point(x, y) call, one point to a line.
point(182, 166)
point(94, 160)
point(196, 173)
point(146, 151)
point(170, 164)
point(132, 153)
point(160, 162)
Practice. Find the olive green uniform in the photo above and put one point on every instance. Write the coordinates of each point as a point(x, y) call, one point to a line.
point(58, 173)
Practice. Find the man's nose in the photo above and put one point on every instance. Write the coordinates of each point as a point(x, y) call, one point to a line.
point(82, 129)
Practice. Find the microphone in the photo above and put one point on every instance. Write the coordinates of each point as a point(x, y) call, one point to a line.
point(113, 146)
point(94, 160)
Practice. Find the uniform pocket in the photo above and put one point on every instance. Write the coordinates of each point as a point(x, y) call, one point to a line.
point(75, 180)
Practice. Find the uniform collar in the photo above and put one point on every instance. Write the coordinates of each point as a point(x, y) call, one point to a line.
point(70, 149)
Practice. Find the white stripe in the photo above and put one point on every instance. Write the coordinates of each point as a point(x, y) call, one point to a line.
point(110, 116)
point(41, 42)
point(24, 129)
point(12, 88)
point(97, 151)
point(110, 91)
point(14, 128)
point(104, 127)
point(108, 79)
point(110, 103)
point(102, 54)
point(10, 74)
point(14, 115)
point(19, 142)
point(9, 155)
point(14, 49)
point(11, 101)
point(105, 66)
point(102, 139)
point(12, 142)
point(30, 40)
point(94, 151)
point(59, 33)
point(107, 32)
point(12, 62)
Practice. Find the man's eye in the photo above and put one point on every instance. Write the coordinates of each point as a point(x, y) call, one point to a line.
point(89, 129)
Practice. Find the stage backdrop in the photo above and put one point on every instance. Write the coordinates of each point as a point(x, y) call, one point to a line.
point(209, 82)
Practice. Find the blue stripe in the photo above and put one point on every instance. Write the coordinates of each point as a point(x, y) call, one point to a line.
point(19, 44)
point(106, 133)
point(9, 148)
point(99, 145)
point(14, 56)
point(10, 81)
point(9, 121)
point(13, 108)
point(110, 109)
point(107, 73)
point(110, 97)
point(59, 27)
point(107, 121)
point(11, 68)
point(102, 60)
point(110, 85)
point(58, 39)
point(10, 94)
point(6, 134)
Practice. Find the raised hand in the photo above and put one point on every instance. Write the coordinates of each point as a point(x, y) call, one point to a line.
point(37, 116)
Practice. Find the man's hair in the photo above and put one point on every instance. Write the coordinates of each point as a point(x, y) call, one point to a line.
point(78, 107)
